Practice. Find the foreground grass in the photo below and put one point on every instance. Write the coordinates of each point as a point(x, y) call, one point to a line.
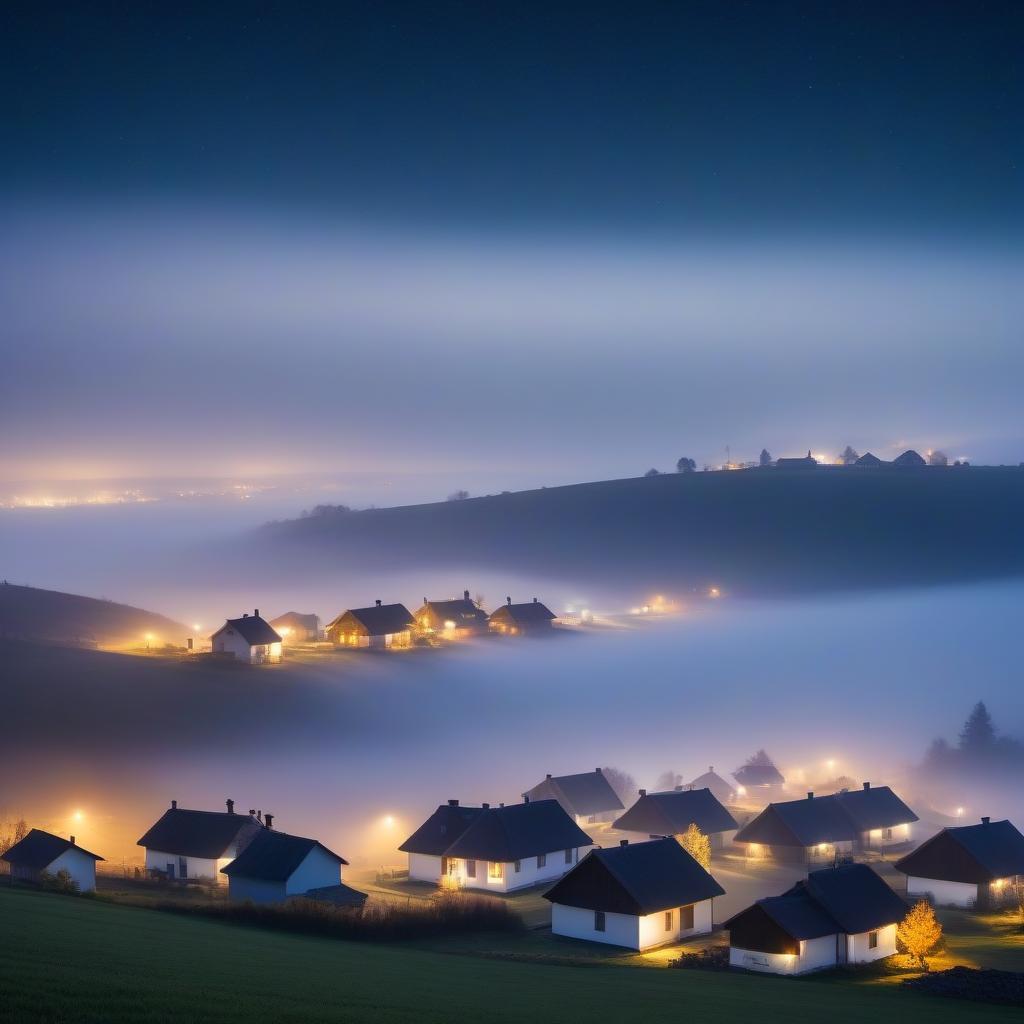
point(67, 959)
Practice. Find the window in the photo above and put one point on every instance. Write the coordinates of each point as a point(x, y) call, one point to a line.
point(182, 867)
point(598, 920)
point(494, 870)
point(686, 918)
point(471, 869)
point(888, 835)
point(542, 859)
point(518, 865)
point(568, 856)
point(872, 940)
point(668, 920)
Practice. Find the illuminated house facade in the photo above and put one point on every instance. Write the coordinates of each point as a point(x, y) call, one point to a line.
point(587, 797)
point(251, 639)
point(297, 627)
point(380, 626)
point(495, 849)
point(671, 813)
point(966, 866)
point(42, 853)
point(637, 896)
point(840, 915)
point(720, 789)
point(451, 618)
point(514, 619)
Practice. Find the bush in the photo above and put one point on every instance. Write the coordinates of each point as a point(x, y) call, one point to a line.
point(714, 958)
point(1003, 987)
point(60, 882)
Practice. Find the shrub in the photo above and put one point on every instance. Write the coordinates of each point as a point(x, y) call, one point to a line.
point(60, 882)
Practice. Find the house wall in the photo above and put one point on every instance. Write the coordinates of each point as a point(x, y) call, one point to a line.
point(255, 890)
point(81, 868)
point(957, 894)
point(195, 867)
point(857, 951)
point(876, 838)
point(316, 870)
point(527, 875)
point(766, 963)
point(424, 868)
point(816, 954)
point(230, 642)
point(654, 933)
point(577, 923)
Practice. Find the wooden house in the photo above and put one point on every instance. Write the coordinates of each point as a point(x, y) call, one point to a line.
point(513, 619)
point(840, 915)
point(966, 866)
point(587, 797)
point(758, 780)
point(458, 617)
point(637, 896)
point(380, 626)
point(42, 853)
point(656, 815)
point(297, 627)
point(250, 639)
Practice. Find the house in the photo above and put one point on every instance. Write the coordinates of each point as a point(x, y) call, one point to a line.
point(251, 639)
point(969, 865)
point(383, 625)
point(759, 778)
point(453, 618)
point(636, 896)
point(820, 828)
point(670, 814)
point(909, 459)
point(498, 849)
point(587, 798)
point(720, 789)
point(532, 617)
point(297, 628)
point(274, 866)
point(840, 915)
point(42, 853)
point(868, 459)
point(188, 844)
point(807, 462)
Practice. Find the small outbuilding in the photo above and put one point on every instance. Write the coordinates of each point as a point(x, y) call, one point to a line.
point(841, 915)
point(869, 459)
point(637, 896)
point(297, 627)
point(532, 617)
point(380, 626)
point(909, 460)
point(587, 798)
point(275, 866)
point(456, 617)
point(720, 789)
point(251, 639)
point(655, 815)
point(42, 853)
point(807, 462)
point(497, 849)
point(966, 866)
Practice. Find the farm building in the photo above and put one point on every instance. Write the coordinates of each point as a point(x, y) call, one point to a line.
point(251, 639)
point(455, 618)
point(820, 828)
point(840, 915)
point(587, 797)
point(275, 866)
point(498, 849)
point(808, 461)
point(909, 460)
point(758, 779)
point(638, 896)
point(382, 625)
point(966, 866)
point(187, 844)
point(868, 459)
point(720, 789)
point(532, 617)
point(42, 853)
point(670, 814)
point(297, 628)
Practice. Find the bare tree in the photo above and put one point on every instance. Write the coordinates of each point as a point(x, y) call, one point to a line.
point(622, 782)
point(669, 780)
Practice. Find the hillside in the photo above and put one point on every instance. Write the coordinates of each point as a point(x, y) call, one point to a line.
point(31, 614)
point(753, 531)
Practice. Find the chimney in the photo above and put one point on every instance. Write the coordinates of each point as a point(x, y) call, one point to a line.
point(985, 821)
point(231, 806)
point(810, 796)
point(465, 595)
point(623, 842)
point(453, 803)
point(501, 805)
point(526, 798)
point(508, 600)
point(535, 600)
point(867, 785)
point(679, 789)
point(425, 601)
point(71, 840)
point(711, 768)
point(643, 792)
point(378, 602)
point(259, 816)
point(548, 775)
point(268, 820)
point(174, 805)
point(486, 807)
point(256, 612)
point(598, 770)
point(245, 615)
point(252, 812)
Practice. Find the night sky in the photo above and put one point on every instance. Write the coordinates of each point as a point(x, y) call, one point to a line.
point(552, 241)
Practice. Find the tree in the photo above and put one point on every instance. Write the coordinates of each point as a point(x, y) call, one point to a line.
point(697, 845)
point(685, 465)
point(760, 759)
point(938, 458)
point(669, 780)
point(652, 472)
point(849, 456)
point(458, 496)
point(622, 782)
point(978, 734)
point(919, 932)
point(766, 458)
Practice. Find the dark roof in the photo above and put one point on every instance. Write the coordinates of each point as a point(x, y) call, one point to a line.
point(586, 793)
point(804, 461)
point(850, 899)
point(380, 619)
point(253, 629)
point(507, 834)
point(642, 878)
point(720, 789)
point(190, 833)
point(671, 813)
point(460, 611)
point(274, 856)
point(340, 895)
point(441, 829)
point(758, 775)
point(867, 459)
point(826, 819)
point(909, 458)
point(530, 611)
point(296, 620)
point(968, 853)
point(39, 849)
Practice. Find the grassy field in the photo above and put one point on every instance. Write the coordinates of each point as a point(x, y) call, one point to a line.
point(67, 959)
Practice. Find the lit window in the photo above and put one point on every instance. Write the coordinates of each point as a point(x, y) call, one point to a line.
point(542, 859)
point(668, 920)
point(598, 920)
point(872, 940)
point(496, 870)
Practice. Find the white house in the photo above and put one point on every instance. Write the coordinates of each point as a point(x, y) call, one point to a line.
point(187, 844)
point(671, 813)
point(42, 853)
point(274, 866)
point(841, 915)
point(587, 797)
point(250, 638)
point(638, 896)
point(966, 866)
point(496, 849)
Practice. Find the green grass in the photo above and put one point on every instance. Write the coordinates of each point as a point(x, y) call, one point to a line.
point(67, 959)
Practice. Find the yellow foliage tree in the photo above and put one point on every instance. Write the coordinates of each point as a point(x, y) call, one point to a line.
point(919, 932)
point(697, 845)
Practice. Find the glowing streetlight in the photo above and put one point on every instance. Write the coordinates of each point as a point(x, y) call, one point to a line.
point(714, 592)
point(388, 821)
point(78, 815)
point(830, 763)
point(196, 626)
point(959, 812)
